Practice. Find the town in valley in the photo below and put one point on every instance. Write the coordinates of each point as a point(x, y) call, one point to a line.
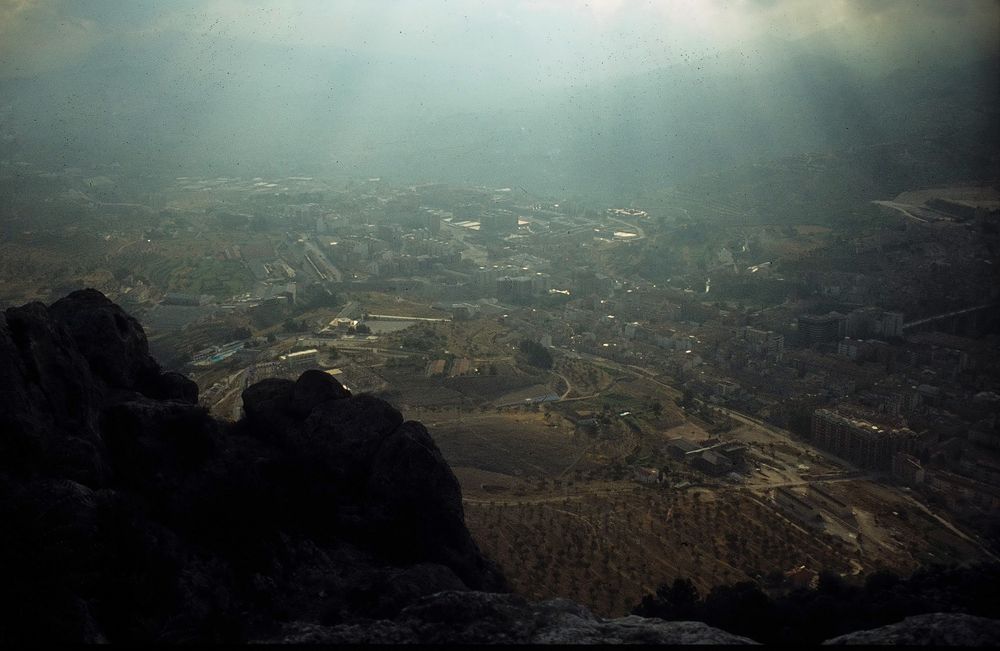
point(691, 384)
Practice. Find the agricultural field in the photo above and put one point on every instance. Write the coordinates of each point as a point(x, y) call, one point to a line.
point(383, 303)
point(46, 266)
point(221, 278)
point(563, 514)
point(517, 443)
point(576, 537)
point(479, 338)
point(483, 388)
point(607, 544)
point(790, 241)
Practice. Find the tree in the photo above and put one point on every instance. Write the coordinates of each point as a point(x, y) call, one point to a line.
point(240, 333)
point(316, 296)
point(536, 354)
point(742, 609)
point(678, 601)
point(288, 325)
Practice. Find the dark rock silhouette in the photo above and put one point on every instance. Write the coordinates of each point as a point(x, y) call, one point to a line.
point(477, 617)
point(805, 617)
point(130, 515)
point(932, 629)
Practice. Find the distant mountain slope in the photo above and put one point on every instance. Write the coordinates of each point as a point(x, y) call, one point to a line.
point(166, 106)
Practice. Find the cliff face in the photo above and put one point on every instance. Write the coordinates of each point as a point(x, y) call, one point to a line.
point(127, 514)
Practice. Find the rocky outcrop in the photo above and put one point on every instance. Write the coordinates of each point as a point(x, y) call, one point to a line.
point(384, 483)
point(131, 515)
point(484, 618)
point(933, 629)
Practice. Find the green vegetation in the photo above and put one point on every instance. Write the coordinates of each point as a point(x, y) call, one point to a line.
point(316, 296)
point(291, 325)
point(424, 338)
point(222, 278)
point(536, 354)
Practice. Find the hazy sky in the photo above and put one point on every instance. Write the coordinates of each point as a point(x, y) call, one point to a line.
point(477, 89)
point(533, 41)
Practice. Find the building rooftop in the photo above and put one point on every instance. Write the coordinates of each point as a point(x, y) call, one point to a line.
point(301, 353)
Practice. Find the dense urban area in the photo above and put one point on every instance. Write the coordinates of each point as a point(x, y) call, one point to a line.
point(686, 386)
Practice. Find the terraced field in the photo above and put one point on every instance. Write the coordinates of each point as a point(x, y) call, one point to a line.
point(607, 544)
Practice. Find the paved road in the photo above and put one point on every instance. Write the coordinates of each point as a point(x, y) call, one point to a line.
point(569, 386)
point(810, 482)
point(320, 258)
point(234, 381)
point(623, 368)
point(901, 207)
point(128, 244)
point(950, 527)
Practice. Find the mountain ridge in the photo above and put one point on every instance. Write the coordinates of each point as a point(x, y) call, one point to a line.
point(606, 140)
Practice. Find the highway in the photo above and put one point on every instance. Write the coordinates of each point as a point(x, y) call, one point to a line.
point(318, 258)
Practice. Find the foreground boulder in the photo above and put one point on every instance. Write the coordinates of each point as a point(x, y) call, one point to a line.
point(130, 515)
point(932, 629)
point(478, 618)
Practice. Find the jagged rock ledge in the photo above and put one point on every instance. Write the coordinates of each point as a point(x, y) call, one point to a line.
point(932, 629)
point(130, 515)
point(489, 618)
point(476, 618)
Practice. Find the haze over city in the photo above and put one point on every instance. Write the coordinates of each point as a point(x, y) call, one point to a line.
point(543, 93)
